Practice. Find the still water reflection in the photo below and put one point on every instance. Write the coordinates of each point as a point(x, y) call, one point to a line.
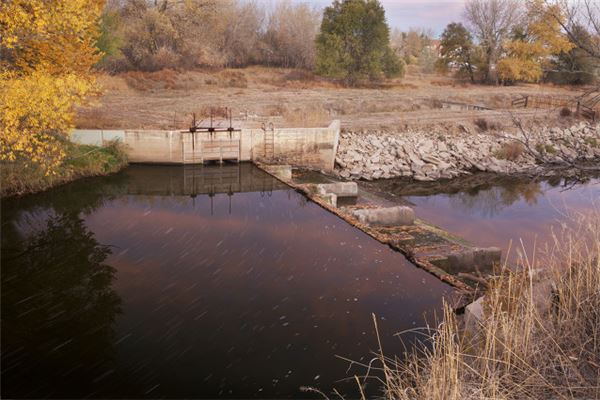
point(493, 211)
point(203, 282)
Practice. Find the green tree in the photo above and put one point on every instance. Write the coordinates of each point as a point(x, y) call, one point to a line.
point(354, 42)
point(458, 50)
point(109, 41)
point(576, 66)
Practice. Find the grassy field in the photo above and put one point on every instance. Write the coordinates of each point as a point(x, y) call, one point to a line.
point(166, 99)
point(81, 161)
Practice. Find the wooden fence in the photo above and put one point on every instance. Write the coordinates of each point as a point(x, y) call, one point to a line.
point(557, 102)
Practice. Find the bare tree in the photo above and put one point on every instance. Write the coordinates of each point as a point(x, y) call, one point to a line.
point(492, 22)
point(575, 16)
point(157, 34)
point(240, 32)
point(290, 35)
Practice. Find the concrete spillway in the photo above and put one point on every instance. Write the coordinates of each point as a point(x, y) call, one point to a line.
point(306, 147)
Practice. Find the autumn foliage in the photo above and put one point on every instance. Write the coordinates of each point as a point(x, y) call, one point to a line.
point(530, 49)
point(47, 48)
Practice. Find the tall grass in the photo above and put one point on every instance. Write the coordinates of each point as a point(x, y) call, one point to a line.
point(539, 337)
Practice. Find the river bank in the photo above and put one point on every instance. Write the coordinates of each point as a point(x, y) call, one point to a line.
point(429, 156)
point(81, 161)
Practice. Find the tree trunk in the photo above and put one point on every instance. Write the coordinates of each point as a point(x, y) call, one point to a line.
point(492, 70)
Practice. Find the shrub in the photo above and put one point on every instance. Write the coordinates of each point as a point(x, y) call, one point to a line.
point(235, 79)
point(299, 75)
point(19, 177)
point(510, 151)
point(482, 124)
point(593, 142)
point(435, 103)
point(565, 112)
point(550, 149)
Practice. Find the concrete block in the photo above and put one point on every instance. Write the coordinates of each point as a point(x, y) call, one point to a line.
point(386, 216)
point(283, 172)
point(468, 259)
point(474, 315)
point(340, 189)
point(330, 198)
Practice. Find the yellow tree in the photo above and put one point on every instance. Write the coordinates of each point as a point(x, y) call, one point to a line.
point(47, 50)
point(531, 49)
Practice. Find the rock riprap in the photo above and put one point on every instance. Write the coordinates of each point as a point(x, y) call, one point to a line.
point(431, 156)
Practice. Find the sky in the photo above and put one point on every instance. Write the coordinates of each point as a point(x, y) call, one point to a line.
point(405, 14)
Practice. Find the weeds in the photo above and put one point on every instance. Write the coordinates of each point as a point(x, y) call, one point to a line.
point(510, 151)
point(484, 125)
point(593, 142)
point(530, 343)
point(235, 79)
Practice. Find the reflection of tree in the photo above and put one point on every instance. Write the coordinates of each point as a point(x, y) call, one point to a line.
point(491, 199)
point(58, 306)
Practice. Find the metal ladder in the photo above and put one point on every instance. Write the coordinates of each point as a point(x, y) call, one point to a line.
point(269, 142)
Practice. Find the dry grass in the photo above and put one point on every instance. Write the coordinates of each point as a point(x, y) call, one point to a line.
point(306, 117)
point(160, 80)
point(150, 100)
point(510, 151)
point(523, 347)
point(484, 125)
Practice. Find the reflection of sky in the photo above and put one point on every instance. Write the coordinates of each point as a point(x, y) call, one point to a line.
point(493, 218)
point(279, 283)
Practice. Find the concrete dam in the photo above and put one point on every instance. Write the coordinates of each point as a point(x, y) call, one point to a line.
point(304, 147)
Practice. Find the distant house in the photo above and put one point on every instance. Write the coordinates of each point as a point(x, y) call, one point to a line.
point(435, 45)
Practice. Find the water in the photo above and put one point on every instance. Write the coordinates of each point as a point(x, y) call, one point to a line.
point(517, 214)
point(194, 282)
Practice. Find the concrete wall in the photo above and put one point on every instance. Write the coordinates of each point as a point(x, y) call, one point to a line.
point(309, 147)
point(96, 137)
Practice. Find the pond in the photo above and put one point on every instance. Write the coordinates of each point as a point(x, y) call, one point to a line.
point(501, 211)
point(171, 281)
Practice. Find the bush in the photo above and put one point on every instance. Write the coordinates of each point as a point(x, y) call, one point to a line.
point(482, 124)
point(20, 177)
point(565, 112)
point(235, 79)
point(510, 151)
